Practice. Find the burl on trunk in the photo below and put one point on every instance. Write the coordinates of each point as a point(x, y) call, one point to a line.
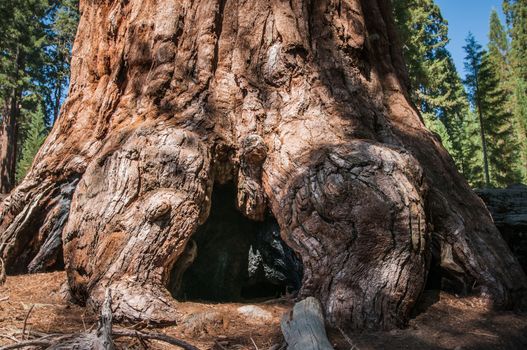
point(303, 106)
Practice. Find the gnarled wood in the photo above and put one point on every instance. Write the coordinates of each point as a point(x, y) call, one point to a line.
point(304, 328)
point(303, 105)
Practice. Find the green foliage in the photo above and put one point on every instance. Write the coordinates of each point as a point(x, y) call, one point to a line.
point(499, 47)
point(516, 14)
point(35, 133)
point(520, 119)
point(503, 148)
point(64, 20)
point(439, 128)
point(424, 33)
point(22, 41)
point(481, 120)
point(471, 155)
point(473, 59)
point(438, 90)
point(36, 39)
point(489, 99)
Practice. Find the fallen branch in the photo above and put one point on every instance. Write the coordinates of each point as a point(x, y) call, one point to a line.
point(6, 336)
point(26, 343)
point(155, 336)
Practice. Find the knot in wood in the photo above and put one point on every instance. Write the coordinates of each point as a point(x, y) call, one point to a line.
point(254, 150)
point(157, 210)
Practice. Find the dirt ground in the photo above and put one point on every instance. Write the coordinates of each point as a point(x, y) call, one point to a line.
point(444, 322)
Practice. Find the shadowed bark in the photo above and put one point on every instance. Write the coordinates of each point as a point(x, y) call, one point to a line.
point(302, 104)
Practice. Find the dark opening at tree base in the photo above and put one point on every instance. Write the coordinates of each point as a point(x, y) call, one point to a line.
point(441, 279)
point(232, 258)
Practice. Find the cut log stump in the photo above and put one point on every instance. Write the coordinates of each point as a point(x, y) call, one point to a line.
point(304, 328)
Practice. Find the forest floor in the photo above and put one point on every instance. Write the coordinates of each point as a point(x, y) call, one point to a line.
point(444, 322)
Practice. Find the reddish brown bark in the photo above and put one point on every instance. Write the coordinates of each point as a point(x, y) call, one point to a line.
point(8, 143)
point(302, 104)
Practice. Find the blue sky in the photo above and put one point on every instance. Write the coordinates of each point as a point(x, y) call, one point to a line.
point(464, 16)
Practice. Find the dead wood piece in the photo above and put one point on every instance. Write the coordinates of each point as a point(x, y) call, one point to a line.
point(104, 330)
point(303, 327)
point(25, 321)
point(155, 336)
point(7, 336)
point(2, 272)
point(25, 344)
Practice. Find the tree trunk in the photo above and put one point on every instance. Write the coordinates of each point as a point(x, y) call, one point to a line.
point(8, 143)
point(9, 131)
point(303, 105)
point(486, 173)
point(304, 328)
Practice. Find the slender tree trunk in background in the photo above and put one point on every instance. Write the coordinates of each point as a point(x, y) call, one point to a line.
point(9, 132)
point(58, 97)
point(8, 144)
point(303, 105)
point(484, 148)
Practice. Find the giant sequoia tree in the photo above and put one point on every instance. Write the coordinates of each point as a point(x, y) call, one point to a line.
point(303, 106)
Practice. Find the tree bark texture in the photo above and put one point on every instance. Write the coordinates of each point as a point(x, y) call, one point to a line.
point(303, 105)
point(304, 328)
point(8, 143)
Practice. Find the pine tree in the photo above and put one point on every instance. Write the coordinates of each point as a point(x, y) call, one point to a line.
point(35, 133)
point(438, 90)
point(472, 166)
point(473, 61)
point(36, 37)
point(22, 38)
point(499, 48)
point(516, 14)
point(490, 102)
point(500, 57)
point(520, 119)
point(424, 32)
point(503, 148)
point(64, 20)
point(454, 112)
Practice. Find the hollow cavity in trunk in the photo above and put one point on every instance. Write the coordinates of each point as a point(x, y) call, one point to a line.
point(232, 258)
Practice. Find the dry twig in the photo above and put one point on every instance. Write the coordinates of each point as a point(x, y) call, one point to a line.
point(255, 346)
point(348, 339)
point(25, 321)
point(219, 345)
